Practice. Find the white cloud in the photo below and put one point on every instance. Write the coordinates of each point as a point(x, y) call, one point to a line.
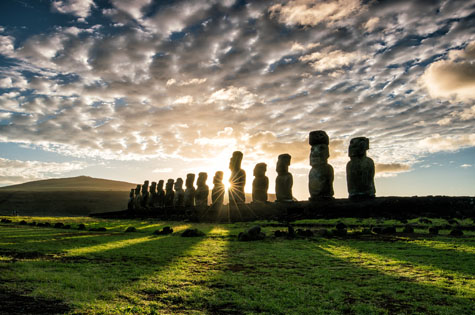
point(322, 61)
point(163, 170)
point(371, 24)
point(81, 8)
point(466, 165)
point(437, 143)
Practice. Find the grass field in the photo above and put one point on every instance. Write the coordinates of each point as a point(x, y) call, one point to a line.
point(45, 270)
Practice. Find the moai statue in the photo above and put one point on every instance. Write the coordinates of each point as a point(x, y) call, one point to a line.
point(179, 198)
point(153, 195)
point(260, 183)
point(145, 195)
point(190, 191)
point(202, 191)
point(360, 170)
point(160, 194)
point(217, 194)
point(320, 178)
point(137, 197)
point(131, 203)
point(237, 180)
point(169, 193)
point(284, 180)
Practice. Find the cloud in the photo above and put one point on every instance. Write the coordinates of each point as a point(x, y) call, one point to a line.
point(80, 8)
point(312, 12)
point(466, 165)
point(390, 169)
point(321, 61)
point(453, 77)
point(163, 170)
point(17, 171)
point(438, 143)
point(371, 24)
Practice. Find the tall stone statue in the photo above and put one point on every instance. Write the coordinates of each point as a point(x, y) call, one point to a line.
point(202, 191)
point(360, 170)
point(260, 183)
point(160, 194)
point(190, 191)
point(217, 194)
point(152, 201)
point(179, 198)
point(137, 197)
point(284, 180)
point(237, 180)
point(131, 203)
point(320, 178)
point(145, 195)
point(169, 193)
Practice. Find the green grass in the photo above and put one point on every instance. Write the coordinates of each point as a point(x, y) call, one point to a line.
point(115, 272)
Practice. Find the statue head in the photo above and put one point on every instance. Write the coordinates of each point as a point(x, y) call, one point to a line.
point(160, 184)
point(169, 185)
point(145, 187)
point(283, 163)
point(202, 178)
point(358, 147)
point(218, 177)
point(318, 137)
point(235, 162)
point(137, 190)
point(132, 192)
point(179, 184)
point(260, 169)
point(319, 154)
point(190, 179)
point(153, 187)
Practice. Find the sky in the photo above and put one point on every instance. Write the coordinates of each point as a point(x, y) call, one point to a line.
point(149, 90)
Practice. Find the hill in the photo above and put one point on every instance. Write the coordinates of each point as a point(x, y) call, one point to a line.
point(80, 183)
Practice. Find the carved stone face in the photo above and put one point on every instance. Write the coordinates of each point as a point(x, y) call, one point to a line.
point(160, 184)
point(318, 137)
point(218, 177)
point(235, 161)
point(358, 147)
point(137, 189)
point(145, 186)
point(169, 185)
point(179, 184)
point(319, 154)
point(190, 179)
point(260, 169)
point(202, 178)
point(152, 187)
point(283, 164)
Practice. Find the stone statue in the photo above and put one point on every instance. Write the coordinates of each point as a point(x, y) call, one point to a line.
point(284, 180)
point(137, 197)
point(360, 170)
point(217, 194)
point(179, 198)
point(160, 194)
point(202, 191)
point(145, 195)
point(153, 195)
point(237, 180)
point(131, 203)
point(190, 191)
point(169, 193)
point(320, 178)
point(260, 183)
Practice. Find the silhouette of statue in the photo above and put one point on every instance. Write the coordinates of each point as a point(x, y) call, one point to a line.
point(131, 203)
point(160, 194)
point(169, 193)
point(320, 178)
point(137, 197)
point(217, 194)
point(202, 190)
point(284, 180)
point(153, 195)
point(179, 198)
point(190, 191)
point(260, 183)
point(237, 180)
point(360, 170)
point(145, 195)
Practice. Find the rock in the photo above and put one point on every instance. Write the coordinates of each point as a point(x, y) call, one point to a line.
point(279, 233)
point(58, 225)
point(284, 180)
point(81, 227)
point(166, 230)
point(32, 223)
point(341, 226)
point(433, 230)
point(6, 220)
point(408, 229)
point(456, 232)
point(453, 222)
point(253, 234)
point(377, 230)
point(389, 230)
point(342, 232)
point(404, 221)
point(131, 229)
point(366, 231)
point(192, 233)
point(22, 222)
point(67, 226)
point(99, 229)
point(425, 221)
point(304, 233)
point(360, 170)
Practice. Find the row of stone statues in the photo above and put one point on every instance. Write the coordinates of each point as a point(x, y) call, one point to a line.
point(359, 172)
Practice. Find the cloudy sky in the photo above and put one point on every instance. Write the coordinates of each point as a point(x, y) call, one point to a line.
point(135, 90)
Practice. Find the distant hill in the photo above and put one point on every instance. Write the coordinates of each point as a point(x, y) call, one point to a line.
point(80, 183)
